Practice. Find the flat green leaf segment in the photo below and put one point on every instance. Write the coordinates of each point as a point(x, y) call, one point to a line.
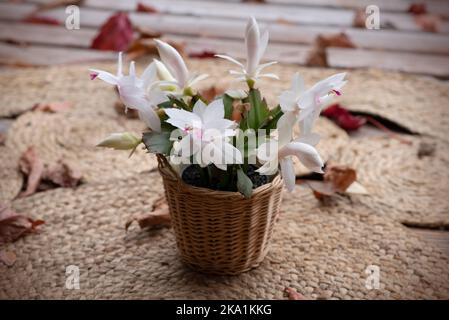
point(158, 142)
point(244, 184)
point(259, 111)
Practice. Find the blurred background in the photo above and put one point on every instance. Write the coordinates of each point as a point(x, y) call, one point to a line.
point(409, 36)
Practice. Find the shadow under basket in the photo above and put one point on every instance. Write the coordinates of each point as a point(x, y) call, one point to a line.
point(220, 232)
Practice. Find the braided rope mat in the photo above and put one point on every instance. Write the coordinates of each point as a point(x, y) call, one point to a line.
point(11, 180)
point(401, 185)
point(320, 251)
point(21, 89)
point(72, 137)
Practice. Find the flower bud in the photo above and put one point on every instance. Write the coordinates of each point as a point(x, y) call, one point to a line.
point(120, 141)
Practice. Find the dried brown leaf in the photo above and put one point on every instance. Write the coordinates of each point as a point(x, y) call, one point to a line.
point(52, 106)
point(359, 18)
point(211, 92)
point(292, 294)
point(2, 138)
point(14, 225)
point(141, 7)
point(159, 216)
point(417, 8)
point(32, 166)
point(8, 257)
point(340, 176)
point(428, 22)
point(318, 57)
point(61, 174)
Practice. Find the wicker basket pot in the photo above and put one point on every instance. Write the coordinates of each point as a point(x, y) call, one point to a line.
point(221, 232)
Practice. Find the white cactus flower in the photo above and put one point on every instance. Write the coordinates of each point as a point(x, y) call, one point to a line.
point(256, 44)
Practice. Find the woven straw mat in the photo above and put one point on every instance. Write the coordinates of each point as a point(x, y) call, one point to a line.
point(320, 251)
point(10, 178)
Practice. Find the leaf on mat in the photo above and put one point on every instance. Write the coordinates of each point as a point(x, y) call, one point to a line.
point(116, 34)
point(205, 54)
point(212, 92)
point(417, 8)
point(426, 149)
point(33, 18)
point(343, 118)
point(2, 138)
point(292, 294)
point(428, 22)
point(41, 177)
point(336, 179)
point(52, 106)
point(61, 174)
point(14, 225)
point(359, 18)
point(145, 8)
point(121, 110)
point(159, 216)
point(32, 166)
point(8, 257)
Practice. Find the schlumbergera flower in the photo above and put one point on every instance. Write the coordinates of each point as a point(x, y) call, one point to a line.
point(136, 92)
point(305, 106)
point(256, 44)
point(205, 134)
point(178, 74)
point(280, 152)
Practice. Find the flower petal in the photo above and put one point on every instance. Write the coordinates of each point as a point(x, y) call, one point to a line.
point(173, 60)
point(288, 173)
point(105, 76)
point(230, 59)
point(252, 41)
point(182, 119)
point(285, 128)
point(150, 118)
point(214, 111)
point(307, 154)
point(287, 101)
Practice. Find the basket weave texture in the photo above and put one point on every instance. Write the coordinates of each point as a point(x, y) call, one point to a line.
point(220, 232)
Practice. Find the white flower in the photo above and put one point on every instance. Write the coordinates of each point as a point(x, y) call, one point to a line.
point(256, 45)
point(178, 74)
point(136, 93)
point(305, 106)
point(280, 152)
point(206, 134)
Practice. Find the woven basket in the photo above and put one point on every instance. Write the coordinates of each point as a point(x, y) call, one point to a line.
point(221, 232)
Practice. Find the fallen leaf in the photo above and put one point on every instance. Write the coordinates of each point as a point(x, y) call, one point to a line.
point(159, 216)
point(428, 22)
point(417, 8)
point(205, 54)
point(41, 177)
point(33, 18)
point(318, 57)
point(2, 138)
point(292, 294)
point(116, 34)
point(14, 225)
point(145, 8)
point(61, 174)
point(212, 92)
point(343, 118)
point(52, 106)
point(359, 18)
point(120, 108)
point(340, 176)
point(8, 257)
point(58, 3)
point(426, 149)
point(32, 166)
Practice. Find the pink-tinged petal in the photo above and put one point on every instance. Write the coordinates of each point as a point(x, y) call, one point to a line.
point(105, 76)
point(288, 173)
point(93, 75)
point(338, 93)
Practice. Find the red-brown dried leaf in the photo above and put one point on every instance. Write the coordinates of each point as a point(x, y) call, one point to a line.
point(145, 8)
point(32, 166)
point(159, 216)
point(52, 106)
point(8, 257)
point(318, 57)
point(417, 8)
point(343, 118)
point(292, 294)
point(359, 18)
point(61, 174)
point(14, 225)
point(339, 176)
point(429, 22)
point(205, 54)
point(41, 20)
point(212, 92)
point(116, 34)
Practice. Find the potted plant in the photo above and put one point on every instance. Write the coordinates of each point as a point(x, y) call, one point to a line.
point(220, 160)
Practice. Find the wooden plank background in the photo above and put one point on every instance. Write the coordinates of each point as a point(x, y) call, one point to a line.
point(218, 26)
